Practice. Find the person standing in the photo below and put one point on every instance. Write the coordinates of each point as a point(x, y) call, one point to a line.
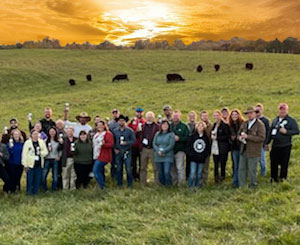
point(33, 155)
point(4, 156)
point(192, 118)
point(38, 127)
point(220, 146)
point(225, 114)
point(124, 138)
point(259, 109)
point(136, 125)
point(15, 167)
point(252, 135)
point(14, 124)
point(167, 109)
point(113, 124)
point(282, 129)
point(83, 159)
point(103, 145)
point(52, 159)
point(46, 122)
point(146, 143)
point(181, 132)
point(235, 122)
point(61, 134)
point(92, 133)
point(82, 125)
point(198, 150)
point(205, 118)
point(163, 145)
point(67, 160)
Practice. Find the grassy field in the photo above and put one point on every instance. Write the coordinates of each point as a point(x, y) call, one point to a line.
point(33, 79)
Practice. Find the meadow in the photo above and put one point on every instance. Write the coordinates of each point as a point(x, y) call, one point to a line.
point(216, 214)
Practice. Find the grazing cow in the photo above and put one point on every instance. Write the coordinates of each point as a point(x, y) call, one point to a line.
point(89, 78)
point(174, 78)
point(217, 67)
point(249, 66)
point(120, 77)
point(72, 82)
point(199, 68)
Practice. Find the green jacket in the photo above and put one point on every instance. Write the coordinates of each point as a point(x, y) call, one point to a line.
point(83, 153)
point(182, 131)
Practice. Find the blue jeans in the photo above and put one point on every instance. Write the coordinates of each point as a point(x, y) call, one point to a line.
point(99, 173)
point(34, 176)
point(50, 163)
point(263, 162)
point(164, 173)
point(124, 158)
point(235, 156)
point(195, 174)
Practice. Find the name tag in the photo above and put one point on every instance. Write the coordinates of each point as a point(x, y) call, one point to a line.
point(36, 158)
point(274, 131)
point(145, 141)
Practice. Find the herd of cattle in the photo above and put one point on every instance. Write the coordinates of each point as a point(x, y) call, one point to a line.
point(171, 77)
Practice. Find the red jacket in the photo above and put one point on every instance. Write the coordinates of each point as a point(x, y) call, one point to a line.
point(106, 149)
point(134, 127)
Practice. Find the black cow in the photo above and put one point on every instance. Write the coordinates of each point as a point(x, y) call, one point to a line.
point(120, 77)
point(72, 82)
point(174, 78)
point(217, 67)
point(199, 68)
point(89, 78)
point(249, 66)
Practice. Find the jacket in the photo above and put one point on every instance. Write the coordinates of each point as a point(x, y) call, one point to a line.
point(129, 138)
point(106, 149)
point(64, 151)
point(223, 136)
point(234, 133)
point(28, 153)
point(5, 155)
point(182, 131)
point(198, 147)
point(164, 142)
point(256, 136)
point(134, 126)
point(279, 139)
point(154, 128)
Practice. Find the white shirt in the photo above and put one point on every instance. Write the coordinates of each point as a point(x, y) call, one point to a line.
point(250, 123)
point(78, 127)
point(97, 144)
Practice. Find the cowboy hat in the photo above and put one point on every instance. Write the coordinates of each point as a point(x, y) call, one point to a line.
point(249, 110)
point(83, 115)
point(123, 117)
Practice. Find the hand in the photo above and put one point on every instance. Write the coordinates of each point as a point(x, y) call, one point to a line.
point(266, 147)
point(160, 153)
point(103, 142)
point(61, 141)
point(1, 154)
point(213, 137)
point(245, 136)
point(123, 143)
point(117, 151)
point(176, 138)
point(283, 131)
point(26, 169)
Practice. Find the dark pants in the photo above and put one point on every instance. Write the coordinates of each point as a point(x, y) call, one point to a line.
point(187, 167)
point(280, 156)
point(82, 172)
point(4, 176)
point(50, 164)
point(34, 177)
point(135, 162)
point(164, 173)
point(124, 158)
point(59, 176)
point(15, 174)
point(220, 161)
point(99, 173)
point(113, 166)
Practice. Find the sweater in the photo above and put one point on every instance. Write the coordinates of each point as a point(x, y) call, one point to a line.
point(164, 142)
point(279, 139)
point(15, 153)
point(147, 135)
point(83, 153)
point(106, 149)
point(198, 147)
point(182, 131)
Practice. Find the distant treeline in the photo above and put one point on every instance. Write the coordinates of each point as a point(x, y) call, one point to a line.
point(289, 45)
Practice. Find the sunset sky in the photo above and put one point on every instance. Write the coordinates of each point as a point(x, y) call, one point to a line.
point(123, 22)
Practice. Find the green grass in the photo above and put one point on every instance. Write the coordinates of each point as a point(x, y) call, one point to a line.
point(33, 79)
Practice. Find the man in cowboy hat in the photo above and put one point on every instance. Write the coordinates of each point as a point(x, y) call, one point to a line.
point(83, 118)
point(124, 139)
point(252, 135)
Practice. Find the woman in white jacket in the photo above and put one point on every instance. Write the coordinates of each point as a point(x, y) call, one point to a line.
point(33, 155)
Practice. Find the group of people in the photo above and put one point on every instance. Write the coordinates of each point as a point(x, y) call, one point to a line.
point(75, 152)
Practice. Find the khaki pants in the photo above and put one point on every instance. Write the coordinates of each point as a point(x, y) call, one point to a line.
point(69, 175)
point(247, 167)
point(146, 155)
point(178, 171)
point(205, 171)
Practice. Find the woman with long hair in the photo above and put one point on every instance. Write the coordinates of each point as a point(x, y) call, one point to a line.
point(220, 146)
point(236, 120)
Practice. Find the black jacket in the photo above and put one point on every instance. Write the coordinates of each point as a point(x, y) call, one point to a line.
point(5, 155)
point(46, 125)
point(282, 140)
point(267, 125)
point(64, 151)
point(223, 136)
point(198, 147)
